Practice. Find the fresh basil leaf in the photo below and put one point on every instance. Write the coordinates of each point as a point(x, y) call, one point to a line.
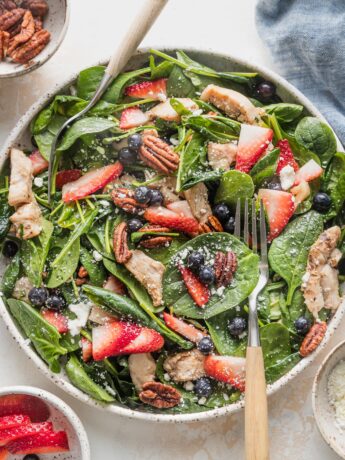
point(265, 168)
point(10, 276)
point(285, 112)
point(234, 185)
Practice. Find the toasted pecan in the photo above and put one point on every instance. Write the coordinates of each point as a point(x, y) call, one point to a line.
point(225, 266)
point(124, 198)
point(156, 242)
point(212, 225)
point(37, 7)
point(27, 29)
point(159, 155)
point(4, 41)
point(11, 18)
point(159, 395)
point(82, 272)
point(32, 48)
point(313, 338)
point(121, 250)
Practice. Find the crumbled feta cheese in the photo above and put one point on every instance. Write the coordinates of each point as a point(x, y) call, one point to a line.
point(336, 392)
point(188, 386)
point(167, 377)
point(82, 311)
point(38, 181)
point(104, 203)
point(97, 256)
point(174, 141)
point(202, 401)
point(287, 177)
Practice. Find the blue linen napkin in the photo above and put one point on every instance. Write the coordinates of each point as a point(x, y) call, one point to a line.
point(307, 41)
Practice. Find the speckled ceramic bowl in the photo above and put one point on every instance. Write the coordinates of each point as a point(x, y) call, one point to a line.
point(56, 22)
point(56, 411)
point(323, 411)
point(21, 136)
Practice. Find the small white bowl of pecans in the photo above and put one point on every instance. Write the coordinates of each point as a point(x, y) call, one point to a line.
point(31, 31)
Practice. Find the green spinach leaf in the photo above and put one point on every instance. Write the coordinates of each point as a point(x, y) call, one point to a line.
point(285, 112)
point(45, 138)
point(234, 185)
point(265, 168)
point(95, 270)
point(178, 84)
point(224, 342)
point(67, 265)
point(334, 184)
point(11, 275)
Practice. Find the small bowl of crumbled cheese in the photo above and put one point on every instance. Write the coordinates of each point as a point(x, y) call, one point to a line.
point(329, 399)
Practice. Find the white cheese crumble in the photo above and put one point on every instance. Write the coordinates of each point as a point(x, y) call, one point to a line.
point(97, 256)
point(287, 177)
point(38, 181)
point(82, 311)
point(188, 386)
point(336, 392)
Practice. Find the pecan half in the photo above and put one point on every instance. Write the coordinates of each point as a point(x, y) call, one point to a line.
point(7, 5)
point(150, 241)
point(121, 250)
point(225, 265)
point(32, 48)
point(80, 281)
point(159, 395)
point(82, 272)
point(10, 18)
point(4, 42)
point(313, 339)
point(124, 198)
point(157, 154)
point(38, 24)
point(212, 225)
point(27, 29)
point(37, 7)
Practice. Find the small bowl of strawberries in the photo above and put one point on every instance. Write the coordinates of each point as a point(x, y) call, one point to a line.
point(35, 423)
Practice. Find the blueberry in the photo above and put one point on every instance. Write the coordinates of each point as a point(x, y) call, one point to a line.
point(38, 296)
point(55, 302)
point(237, 326)
point(195, 261)
point(31, 457)
point(229, 225)
point(206, 346)
point(127, 156)
point(156, 197)
point(341, 266)
point(134, 225)
point(222, 212)
point(135, 141)
point(203, 387)
point(10, 248)
point(143, 195)
point(206, 274)
point(302, 325)
point(322, 202)
point(265, 90)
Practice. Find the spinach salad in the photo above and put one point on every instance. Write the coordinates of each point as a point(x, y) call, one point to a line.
point(130, 280)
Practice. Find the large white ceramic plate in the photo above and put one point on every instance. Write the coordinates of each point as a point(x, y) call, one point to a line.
point(20, 136)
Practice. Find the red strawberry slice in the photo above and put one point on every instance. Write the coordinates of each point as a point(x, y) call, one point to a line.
point(56, 319)
point(252, 144)
point(12, 421)
point(39, 164)
point(186, 330)
point(181, 208)
point(286, 156)
point(198, 291)
point(115, 285)
point(4, 453)
point(133, 117)
point(163, 216)
point(66, 176)
point(33, 407)
point(279, 207)
point(110, 339)
point(40, 443)
point(147, 341)
point(228, 369)
point(91, 182)
point(11, 434)
point(86, 349)
point(156, 89)
point(308, 172)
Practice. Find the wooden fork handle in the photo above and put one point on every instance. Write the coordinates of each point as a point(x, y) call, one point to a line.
point(134, 36)
point(256, 419)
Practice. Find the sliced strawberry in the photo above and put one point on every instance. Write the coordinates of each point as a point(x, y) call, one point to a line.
point(163, 216)
point(86, 349)
point(66, 176)
point(56, 319)
point(39, 164)
point(12, 421)
point(110, 339)
point(99, 316)
point(40, 443)
point(4, 453)
point(308, 172)
point(228, 369)
point(11, 434)
point(279, 207)
point(33, 407)
point(181, 208)
point(186, 330)
point(252, 144)
point(198, 291)
point(115, 285)
point(300, 192)
point(147, 341)
point(286, 156)
point(133, 117)
point(91, 182)
point(156, 89)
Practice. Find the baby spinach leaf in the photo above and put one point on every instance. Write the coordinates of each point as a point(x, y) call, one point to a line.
point(334, 184)
point(288, 253)
point(224, 342)
point(282, 367)
point(43, 335)
point(115, 90)
point(265, 168)
point(318, 137)
point(163, 69)
point(45, 138)
point(67, 265)
point(5, 213)
point(298, 307)
point(245, 278)
point(216, 128)
point(10, 276)
point(88, 81)
point(95, 270)
point(270, 300)
point(178, 85)
point(285, 112)
point(191, 161)
point(234, 185)
point(275, 343)
point(78, 376)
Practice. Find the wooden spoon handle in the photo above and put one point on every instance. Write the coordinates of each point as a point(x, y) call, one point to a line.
point(256, 419)
point(135, 34)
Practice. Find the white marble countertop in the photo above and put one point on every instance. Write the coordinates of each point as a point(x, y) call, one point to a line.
point(95, 28)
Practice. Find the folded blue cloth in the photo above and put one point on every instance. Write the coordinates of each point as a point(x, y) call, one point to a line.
point(307, 41)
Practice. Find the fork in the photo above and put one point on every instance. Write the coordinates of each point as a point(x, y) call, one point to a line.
point(256, 417)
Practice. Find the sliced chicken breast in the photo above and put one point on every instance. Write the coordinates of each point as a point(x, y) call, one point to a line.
point(166, 112)
point(197, 197)
point(20, 190)
point(221, 156)
point(27, 220)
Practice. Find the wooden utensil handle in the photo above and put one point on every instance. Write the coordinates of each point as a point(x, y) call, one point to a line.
point(136, 32)
point(256, 420)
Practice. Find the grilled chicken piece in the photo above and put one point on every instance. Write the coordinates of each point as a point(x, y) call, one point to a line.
point(22, 288)
point(197, 197)
point(165, 111)
point(20, 190)
point(221, 156)
point(27, 220)
point(149, 273)
point(142, 369)
point(185, 366)
point(323, 247)
point(330, 287)
point(234, 104)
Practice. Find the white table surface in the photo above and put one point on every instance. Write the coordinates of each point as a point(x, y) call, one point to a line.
point(95, 27)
